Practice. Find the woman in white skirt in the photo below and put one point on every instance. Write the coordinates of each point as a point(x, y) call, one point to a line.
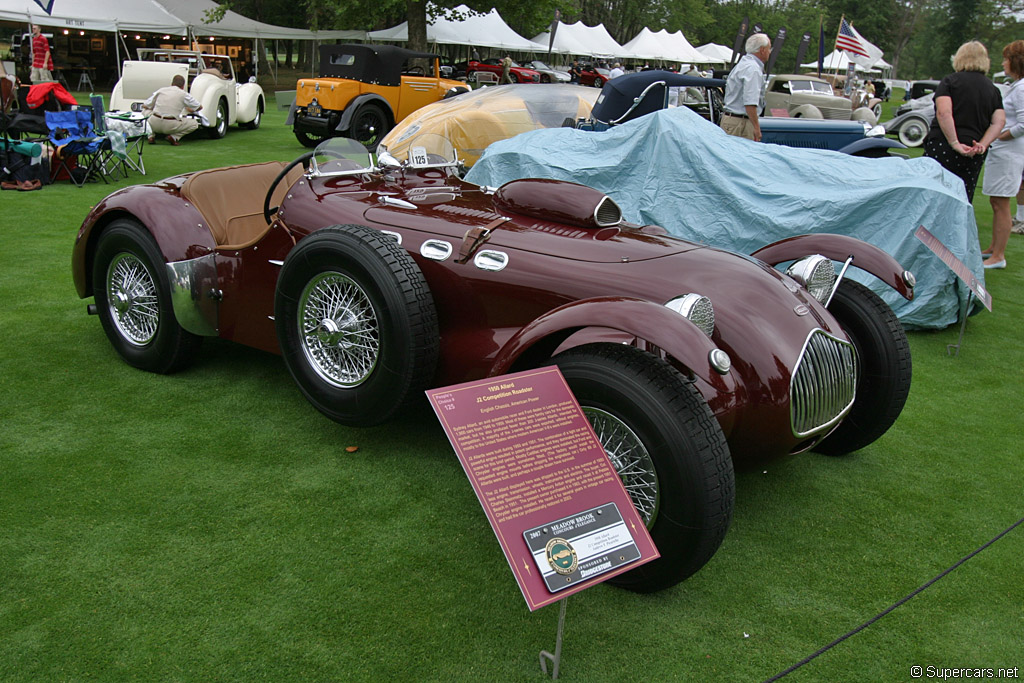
point(1005, 160)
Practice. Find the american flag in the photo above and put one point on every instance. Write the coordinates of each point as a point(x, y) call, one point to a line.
point(855, 47)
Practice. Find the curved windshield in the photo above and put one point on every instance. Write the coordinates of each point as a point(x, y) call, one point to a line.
point(340, 156)
point(427, 150)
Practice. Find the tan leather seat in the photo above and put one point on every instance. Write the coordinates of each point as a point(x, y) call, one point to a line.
point(231, 200)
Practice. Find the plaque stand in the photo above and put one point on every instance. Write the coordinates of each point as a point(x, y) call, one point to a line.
point(556, 659)
point(963, 326)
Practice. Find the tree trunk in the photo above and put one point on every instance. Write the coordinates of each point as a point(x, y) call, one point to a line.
point(416, 12)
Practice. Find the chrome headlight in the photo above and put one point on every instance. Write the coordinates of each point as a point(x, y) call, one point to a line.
point(876, 132)
point(816, 274)
point(697, 309)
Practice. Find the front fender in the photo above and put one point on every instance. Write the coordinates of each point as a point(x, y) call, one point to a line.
point(866, 256)
point(668, 330)
point(248, 96)
point(350, 109)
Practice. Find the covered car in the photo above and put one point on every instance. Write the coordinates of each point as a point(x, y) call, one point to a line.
point(739, 195)
point(474, 120)
point(208, 78)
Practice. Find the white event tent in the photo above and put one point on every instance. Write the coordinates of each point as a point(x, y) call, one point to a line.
point(671, 47)
point(719, 53)
point(175, 17)
point(580, 39)
point(837, 61)
point(477, 30)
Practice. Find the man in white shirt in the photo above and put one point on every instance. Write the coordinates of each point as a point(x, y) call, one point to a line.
point(616, 71)
point(168, 107)
point(744, 90)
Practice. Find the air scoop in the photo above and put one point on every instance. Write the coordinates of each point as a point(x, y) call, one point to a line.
point(559, 201)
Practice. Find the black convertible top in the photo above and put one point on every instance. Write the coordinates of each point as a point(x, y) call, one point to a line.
point(375, 64)
point(618, 94)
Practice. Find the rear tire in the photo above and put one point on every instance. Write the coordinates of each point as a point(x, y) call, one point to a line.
point(255, 123)
point(913, 131)
point(220, 124)
point(667, 447)
point(884, 368)
point(133, 300)
point(309, 140)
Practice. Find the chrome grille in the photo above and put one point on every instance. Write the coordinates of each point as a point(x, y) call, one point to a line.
point(824, 383)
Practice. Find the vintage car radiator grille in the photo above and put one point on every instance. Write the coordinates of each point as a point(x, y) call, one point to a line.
point(823, 385)
point(835, 113)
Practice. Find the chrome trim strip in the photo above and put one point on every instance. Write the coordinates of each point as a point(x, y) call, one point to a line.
point(839, 279)
point(190, 282)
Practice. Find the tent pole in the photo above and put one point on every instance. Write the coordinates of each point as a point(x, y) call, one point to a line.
point(117, 48)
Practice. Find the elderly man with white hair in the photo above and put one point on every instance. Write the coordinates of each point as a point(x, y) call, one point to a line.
point(744, 90)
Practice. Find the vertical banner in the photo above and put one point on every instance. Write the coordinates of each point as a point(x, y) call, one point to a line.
point(801, 51)
point(821, 45)
point(554, 28)
point(737, 45)
point(780, 38)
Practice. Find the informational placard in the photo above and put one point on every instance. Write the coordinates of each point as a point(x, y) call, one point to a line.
point(556, 504)
point(956, 265)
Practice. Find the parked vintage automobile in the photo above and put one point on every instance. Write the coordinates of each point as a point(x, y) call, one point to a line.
point(912, 120)
point(801, 96)
point(377, 282)
point(549, 74)
point(208, 78)
point(918, 89)
point(636, 94)
point(521, 73)
point(595, 76)
point(362, 91)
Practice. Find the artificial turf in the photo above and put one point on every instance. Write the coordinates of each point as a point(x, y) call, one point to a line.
point(210, 525)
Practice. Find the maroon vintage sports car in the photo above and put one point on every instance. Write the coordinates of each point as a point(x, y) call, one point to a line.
point(377, 282)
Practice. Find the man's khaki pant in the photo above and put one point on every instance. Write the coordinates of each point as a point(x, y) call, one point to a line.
point(173, 127)
point(738, 126)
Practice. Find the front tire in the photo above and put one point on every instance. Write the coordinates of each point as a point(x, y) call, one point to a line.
point(668, 449)
point(255, 123)
point(883, 357)
point(356, 324)
point(133, 301)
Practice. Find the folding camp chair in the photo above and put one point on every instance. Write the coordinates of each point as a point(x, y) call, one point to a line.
point(78, 152)
point(113, 157)
point(133, 126)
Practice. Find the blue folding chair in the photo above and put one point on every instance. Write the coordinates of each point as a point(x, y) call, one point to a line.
point(79, 152)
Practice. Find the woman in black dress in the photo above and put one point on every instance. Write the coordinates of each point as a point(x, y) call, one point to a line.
point(968, 116)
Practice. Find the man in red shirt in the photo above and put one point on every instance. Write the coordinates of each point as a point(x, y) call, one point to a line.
point(42, 61)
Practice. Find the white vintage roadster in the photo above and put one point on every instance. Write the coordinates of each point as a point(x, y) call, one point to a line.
point(209, 78)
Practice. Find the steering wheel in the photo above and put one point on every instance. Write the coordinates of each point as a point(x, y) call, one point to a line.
point(269, 212)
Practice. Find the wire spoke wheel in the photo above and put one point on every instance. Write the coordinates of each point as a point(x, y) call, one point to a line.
point(132, 299)
point(630, 459)
point(339, 329)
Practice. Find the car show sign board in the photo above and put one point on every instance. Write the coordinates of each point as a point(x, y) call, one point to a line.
point(956, 265)
point(552, 496)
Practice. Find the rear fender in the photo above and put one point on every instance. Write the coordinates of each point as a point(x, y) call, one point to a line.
point(350, 110)
point(179, 229)
point(866, 256)
point(248, 96)
point(871, 143)
point(668, 330)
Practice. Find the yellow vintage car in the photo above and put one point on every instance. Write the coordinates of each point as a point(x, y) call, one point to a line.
point(471, 122)
point(364, 90)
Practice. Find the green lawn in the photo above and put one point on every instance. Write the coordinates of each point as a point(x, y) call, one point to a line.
point(211, 526)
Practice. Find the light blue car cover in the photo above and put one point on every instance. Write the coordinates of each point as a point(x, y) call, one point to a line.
point(677, 170)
